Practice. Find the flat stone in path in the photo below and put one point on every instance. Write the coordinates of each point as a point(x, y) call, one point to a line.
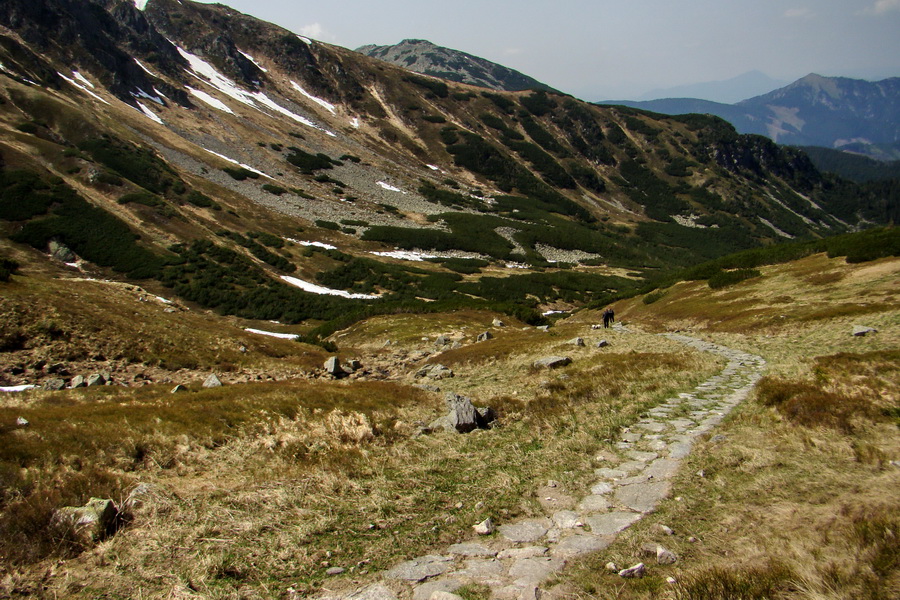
point(584, 543)
point(471, 549)
point(662, 468)
point(530, 530)
point(641, 456)
point(481, 568)
point(444, 584)
point(566, 519)
point(531, 571)
point(420, 569)
point(642, 497)
point(610, 473)
point(593, 504)
point(519, 553)
point(376, 591)
point(601, 488)
point(611, 523)
point(631, 437)
point(654, 426)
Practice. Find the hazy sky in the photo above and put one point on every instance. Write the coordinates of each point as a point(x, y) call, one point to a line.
point(602, 49)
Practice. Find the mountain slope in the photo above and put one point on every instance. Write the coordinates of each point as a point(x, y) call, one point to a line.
point(746, 85)
point(424, 57)
point(269, 176)
point(833, 112)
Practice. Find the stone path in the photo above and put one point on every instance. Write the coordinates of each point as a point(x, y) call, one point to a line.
point(514, 562)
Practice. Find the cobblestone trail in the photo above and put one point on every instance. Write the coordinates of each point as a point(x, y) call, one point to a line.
point(524, 553)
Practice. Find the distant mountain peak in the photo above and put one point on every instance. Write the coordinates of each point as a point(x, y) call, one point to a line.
point(427, 58)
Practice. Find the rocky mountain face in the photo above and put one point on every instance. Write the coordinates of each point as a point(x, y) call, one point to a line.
point(426, 58)
point(270, 176)
point(833, 112)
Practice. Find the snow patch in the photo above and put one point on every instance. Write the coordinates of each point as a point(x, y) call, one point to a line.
point(284, 336)
point(214, 102)
point(305, 40)
point(140, 4)
point(355, 123)
point(150, 114)
point(82, 79)
point(163, 300)
point(316, 244)
point(146, 70)
point(321, 102)
point(142, 94)
point(405, 255)
point(253, 60)
point(240, 164)
point(16, 388)
point(389, 187)
point(516, 266)
point(318, 289)
point(554, 312)
point(81, 87)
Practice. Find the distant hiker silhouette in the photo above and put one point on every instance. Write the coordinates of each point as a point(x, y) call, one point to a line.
point(608, 317)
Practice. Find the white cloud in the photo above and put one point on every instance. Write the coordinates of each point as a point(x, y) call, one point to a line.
point(882, 6)
point(798, 13)
point(316, 32)
point(512, 51)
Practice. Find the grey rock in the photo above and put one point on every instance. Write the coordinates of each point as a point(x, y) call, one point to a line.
point(602, 344)
point(54, 384)
point(498, 323)
point(334, 571)
point(861, 330)
point(593, 504)
point(77, 382)
point(526, 552)
point(543, 328)
point(95, 379)
point(480, 568)
point(354, 365)
point(377, 591)
point(662, 468)
point(22, 422)
point(442, 340)
point(482, 337)
point(61, 252)
point(443, 584)
point(577, 342)
point(598, 489)
point(641, 456)
point(566, 519)
point(442, 595)
point(462, 416)
point(527, 531)
point(419, 569)
point(531, 571)
point(435, 371)
point(471, 550)
point(663, 529)
point(637, 571)
point(611, 523)
point(178, 389)
point(576, 545)
point(333, 367)
point(486, 527)
point(612, 567)
point(212, 382)
point(642, 497)
point(610, 473)
point(665, 557)
point(552, 362)
point(631, 437)
point(91, 522)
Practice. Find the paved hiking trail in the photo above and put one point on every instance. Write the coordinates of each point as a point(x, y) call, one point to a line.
point(524, 553)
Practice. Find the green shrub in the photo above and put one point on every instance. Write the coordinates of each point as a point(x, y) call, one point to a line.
point(274, 189)
point(653, 297)
point(327, 225)
point(726, 278)
point(434, 118)
point(435, 86)
point(139, 165)
point(141, 198)
point(308, 163)
point(200, 199)
point(8, 268)
point(240, 173)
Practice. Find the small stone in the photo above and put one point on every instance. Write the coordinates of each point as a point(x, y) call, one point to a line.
point(693, 540)
point(333, 366)
point(577, 342)
point(552, 362)
point(671, 580)
point(178, 388)
point(212, 382)
point(22, 422)
point(483, 337)
point(663, 529)
point(334, 571)
point(552, 484)
point(612, 567)
point(498, 323)
point(486, 527)
point(54, 384)
point(860, 330)
point(95, 379)
point(77, 382)
point(637, 571)
point(665, 557)
point(442, 595)
point(602, 344)
point(701, 473)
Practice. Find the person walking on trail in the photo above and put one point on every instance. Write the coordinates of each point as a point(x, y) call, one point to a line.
point(606, 318)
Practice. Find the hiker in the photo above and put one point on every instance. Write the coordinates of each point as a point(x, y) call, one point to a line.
point(606, 318)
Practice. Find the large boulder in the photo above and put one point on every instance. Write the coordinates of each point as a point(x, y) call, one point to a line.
point(434, 371)
point(462, 416)
point(96, 379)
point(54, 384)
point(212, 382)
point(91, 522)
point(483, 337)
point(552, 362)
point(333, 367)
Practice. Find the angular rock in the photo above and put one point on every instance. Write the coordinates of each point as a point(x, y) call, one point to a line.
point(552, 362)
point(92, 522)
point(566, 519)
point(442, 595)
point(420, 569)
point(77, 382)
point(593, 504)
point(482, 337)
point(212, 381)
point(442, 340)
point(543, 328)
point(527, 552)
point(665, 557)
point(861, 331)
point(435, 371)
point(577, 342)
point(95, 379)
point(376, 591)
point(333, 367)
point(22, 422)
point(178, 389)
point(481, 568)
point(637, 571)
point(527, 531)
point(444, 584)
point(334, 571)
point(54, 384)
point(486, 527)
point(462, 416)
point(602, 344)
point(498, 323)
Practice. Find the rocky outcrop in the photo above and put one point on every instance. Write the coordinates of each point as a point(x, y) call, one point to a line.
point(462, 416)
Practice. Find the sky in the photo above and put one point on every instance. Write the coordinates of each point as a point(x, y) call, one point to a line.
point(602, 49)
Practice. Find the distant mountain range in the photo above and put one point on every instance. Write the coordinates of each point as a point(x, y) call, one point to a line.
point(424, 57)
point(834, 112)
point(729, 91)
